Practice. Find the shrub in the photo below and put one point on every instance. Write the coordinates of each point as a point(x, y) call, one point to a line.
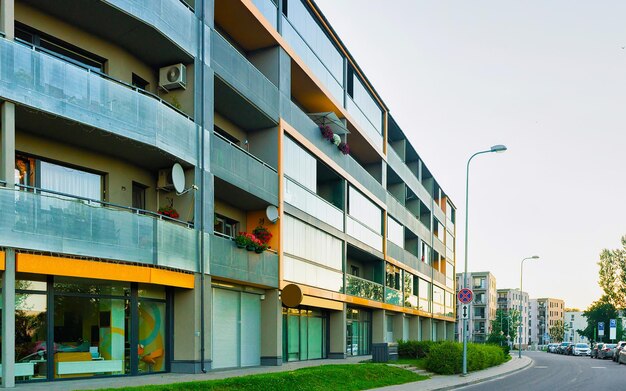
point(446, 358)
point(414, 349)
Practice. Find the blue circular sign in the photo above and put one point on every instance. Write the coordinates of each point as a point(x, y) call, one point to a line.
point(465, 295)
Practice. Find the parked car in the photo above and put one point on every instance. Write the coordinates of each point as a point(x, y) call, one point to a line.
point(597, 346)
point(606, 351)
point(562, 348)
point(552, 347)
point(618, 349)
point(621, 359)
point(581, 349)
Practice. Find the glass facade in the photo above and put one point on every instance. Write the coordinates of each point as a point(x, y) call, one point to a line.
point(395, 232)
point(358, 331)
point(305, 332)
point(92, 327)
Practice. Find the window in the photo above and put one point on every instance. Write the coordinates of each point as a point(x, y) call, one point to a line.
point(225, 226)
point(354, 271)
point(139, 196)
point(393, 276)
point(138, 82)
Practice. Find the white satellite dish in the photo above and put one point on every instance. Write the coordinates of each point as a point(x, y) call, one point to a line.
point(272, 213)
point(178, 178)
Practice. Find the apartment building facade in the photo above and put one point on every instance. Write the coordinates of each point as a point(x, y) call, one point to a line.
point(574, 320)
point(483, 307)
point(509, 301)
point(137, 142)
point(544, 313)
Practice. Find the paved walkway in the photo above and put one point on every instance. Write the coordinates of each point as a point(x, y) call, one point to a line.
point(440, 382)
point(435, 383)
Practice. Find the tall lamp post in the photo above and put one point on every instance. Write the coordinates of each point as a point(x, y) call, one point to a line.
point(521, 317)
point(496, 148)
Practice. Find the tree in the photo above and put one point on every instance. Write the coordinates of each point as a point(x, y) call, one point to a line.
point(600, 311)
point(612, 275)
point(557, 331)
point(505, 323)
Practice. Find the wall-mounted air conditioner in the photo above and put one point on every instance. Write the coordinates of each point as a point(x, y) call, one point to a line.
point(172, 77)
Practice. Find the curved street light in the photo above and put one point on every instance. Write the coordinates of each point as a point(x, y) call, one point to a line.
point(498, 149)
point(521, 301)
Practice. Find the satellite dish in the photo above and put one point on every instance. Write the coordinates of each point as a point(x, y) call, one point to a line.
point(272, 213)
point(178, 178)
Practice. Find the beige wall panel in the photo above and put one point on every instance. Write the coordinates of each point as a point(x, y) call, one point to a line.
point(230, 128)
point(231, 212)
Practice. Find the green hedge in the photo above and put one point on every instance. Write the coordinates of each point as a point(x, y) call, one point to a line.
point(414, 349)
point(446, 358)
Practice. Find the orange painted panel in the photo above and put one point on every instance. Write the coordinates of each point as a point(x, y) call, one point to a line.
point(171, 278)
point(258, 217)
point(2, 260)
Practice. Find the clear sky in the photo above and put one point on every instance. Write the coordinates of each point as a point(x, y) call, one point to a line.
point(545, 78)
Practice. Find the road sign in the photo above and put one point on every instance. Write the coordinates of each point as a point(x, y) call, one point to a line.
point(465, 295)
point(612, 329)
point(601, 329)
point(465, 311)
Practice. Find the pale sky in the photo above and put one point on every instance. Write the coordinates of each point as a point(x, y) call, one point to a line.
point(545, 78)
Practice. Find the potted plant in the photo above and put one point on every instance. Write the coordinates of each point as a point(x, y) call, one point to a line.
point(254, 243)
point(262, 234)
point(168, 211)
point(327, 133)
point(344, 148)
point(260, 248)
point(242, 240)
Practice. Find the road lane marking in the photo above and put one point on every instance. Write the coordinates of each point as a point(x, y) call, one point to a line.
point(598, 367)
point(540, 367)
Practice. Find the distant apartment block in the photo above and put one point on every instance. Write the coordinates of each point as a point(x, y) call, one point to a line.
point(544, 313)
point(483, 307)
point(509, 301)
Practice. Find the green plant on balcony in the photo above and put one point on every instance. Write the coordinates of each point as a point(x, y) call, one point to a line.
point(262, 234)
point(250, 242)
point(363, 288)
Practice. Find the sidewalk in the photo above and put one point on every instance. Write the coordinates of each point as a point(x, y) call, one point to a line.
point(437, 382)
point(450, 382)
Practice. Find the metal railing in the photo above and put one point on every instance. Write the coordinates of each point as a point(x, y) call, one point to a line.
point(244, 151)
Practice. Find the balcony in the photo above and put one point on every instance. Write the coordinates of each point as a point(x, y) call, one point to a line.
point(366, 289)
point(235, 70)
point(236, 166)
point(309, 202)
point(269, 10)
point(407, 219)
point(44, 82)
point(59, 224)
point(370, 131)
point(393, 296)
point(401, 255)
point(172, 18)
point(439, 277)
point(398, 165)
point(363, 234)
point(229, 261)
point(309, 129)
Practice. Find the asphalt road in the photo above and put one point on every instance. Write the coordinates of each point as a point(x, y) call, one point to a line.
point(556, 372)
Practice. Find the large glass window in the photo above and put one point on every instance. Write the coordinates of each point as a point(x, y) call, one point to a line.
point(304, 334)
point(395, 232)
point(300, 165)
point(305, 241)
point(438, 300)
point(30, 329)
point(358, 332)
point(151, 349)
point(424, 295)
point(364, 210)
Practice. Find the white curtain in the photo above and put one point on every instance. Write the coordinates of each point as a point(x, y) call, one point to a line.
point(70, 181)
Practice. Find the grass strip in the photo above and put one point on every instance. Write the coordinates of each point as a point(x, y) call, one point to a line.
point(344, 377)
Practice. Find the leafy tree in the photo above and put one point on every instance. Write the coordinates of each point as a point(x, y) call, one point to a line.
point(612, 275)
point(505, 323)
point(601, 310)
point(557, 331)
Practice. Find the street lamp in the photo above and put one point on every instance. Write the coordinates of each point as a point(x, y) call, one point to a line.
point(496, 148)
point(521, 279)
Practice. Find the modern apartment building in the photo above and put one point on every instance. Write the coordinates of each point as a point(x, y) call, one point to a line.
point(139, 138)
point(574, 320)
point(543, 315)
point(509, 301)
point(483, 307)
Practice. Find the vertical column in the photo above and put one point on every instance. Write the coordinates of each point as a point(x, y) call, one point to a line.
point(450, 331)
point(440, 329)
point(414, 328)
point(8, 320)
point(337, 337)
point(7, 143)
point(426, 324)
point(379, 326)
point(271, 329)
point(7, 17)
point(398, 327)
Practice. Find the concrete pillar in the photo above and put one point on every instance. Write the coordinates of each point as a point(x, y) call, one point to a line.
point(415, 332)
point(7, 143)
point(440, 329)
point(379, 326)
point(337, 336)
point(187, 326)
point(271, 329)
point(8, 320)
point(398, 327)
point(7, 17)
point(450, 326)
point(426, 324)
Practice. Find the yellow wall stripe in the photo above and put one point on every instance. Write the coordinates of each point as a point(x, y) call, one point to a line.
point(60, 266)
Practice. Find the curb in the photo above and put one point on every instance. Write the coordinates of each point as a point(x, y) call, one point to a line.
point(477, 381)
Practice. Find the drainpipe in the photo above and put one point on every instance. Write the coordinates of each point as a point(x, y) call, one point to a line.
point(202, 187)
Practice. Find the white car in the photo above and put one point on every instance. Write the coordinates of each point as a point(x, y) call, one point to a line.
point(581, 349)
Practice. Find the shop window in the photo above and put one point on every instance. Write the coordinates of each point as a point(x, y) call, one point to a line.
point(151, 349)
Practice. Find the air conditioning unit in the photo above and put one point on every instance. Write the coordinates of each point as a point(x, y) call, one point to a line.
point(165, 182)
point(172, 77)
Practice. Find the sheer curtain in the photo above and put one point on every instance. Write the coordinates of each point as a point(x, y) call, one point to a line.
point(70, 181)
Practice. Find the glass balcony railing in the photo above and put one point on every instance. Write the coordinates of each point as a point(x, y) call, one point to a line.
point(269, 9)
point(424, 305)
point(366, 289)
point(362, 233)
point(311, 203)
point(235, 69)
point(311, 59)
point(229, 261)
point(411, 301)
point(59, 224)
point(47, 83)
point(370, 131)
point(175, 19)
point(237, 166)
point(400, 254)
point(393, 296)
point(309, 129)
